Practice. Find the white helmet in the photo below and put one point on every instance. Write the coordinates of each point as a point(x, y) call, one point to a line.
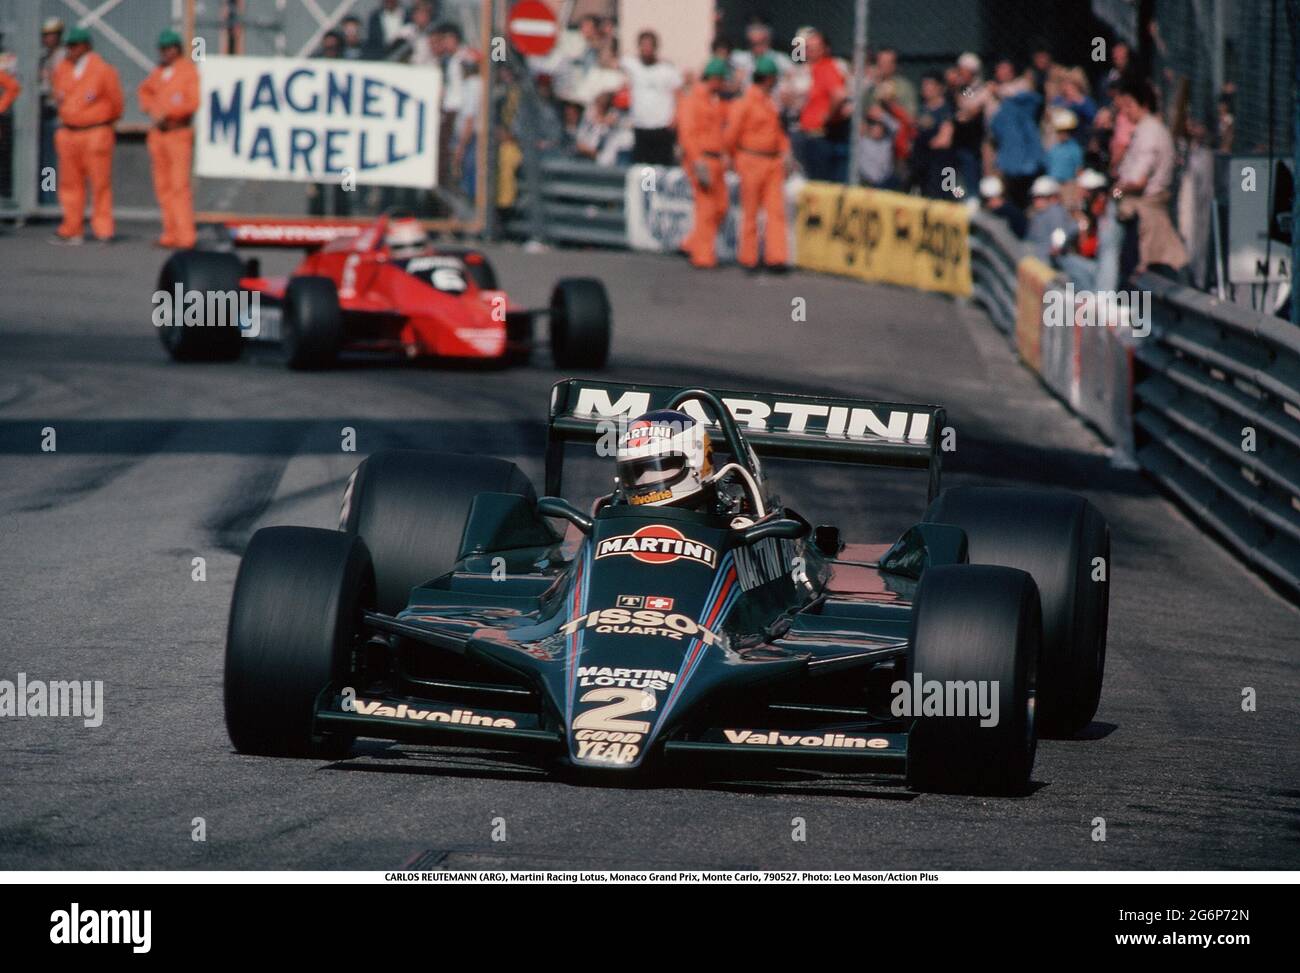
point(406, 238)
point(664, 459)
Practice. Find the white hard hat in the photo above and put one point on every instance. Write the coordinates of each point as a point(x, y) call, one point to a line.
point(991, 186)
point(1044, 186)
point(1063, 120)
point(1091, 179)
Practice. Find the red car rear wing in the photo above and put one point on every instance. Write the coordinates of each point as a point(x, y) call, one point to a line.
point(300, 234)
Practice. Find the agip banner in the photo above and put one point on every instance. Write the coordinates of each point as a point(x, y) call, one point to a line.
point(319, 121)
point(884, 236)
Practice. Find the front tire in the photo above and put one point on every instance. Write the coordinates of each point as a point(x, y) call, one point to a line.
point(580, 323)
point(294, 624)
point(1063, 542)
point(203, 272)
point(975, 623)
point(312, 323)
point(410, 507)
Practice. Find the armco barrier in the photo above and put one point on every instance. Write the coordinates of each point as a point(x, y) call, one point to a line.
point(1088, 367)
point(1208, 402)
point(1217, 418)
point(995, 254)
point(580, 202)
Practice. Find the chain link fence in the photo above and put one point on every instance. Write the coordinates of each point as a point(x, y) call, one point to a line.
point(1203, 50)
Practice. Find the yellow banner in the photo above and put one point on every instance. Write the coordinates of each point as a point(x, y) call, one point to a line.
point(882, 236)
point(1033, 278)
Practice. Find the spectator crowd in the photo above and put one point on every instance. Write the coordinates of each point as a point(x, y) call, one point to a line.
point(1053, 150)
point(1047, 147)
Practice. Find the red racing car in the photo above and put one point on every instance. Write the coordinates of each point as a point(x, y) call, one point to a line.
point(382, 287)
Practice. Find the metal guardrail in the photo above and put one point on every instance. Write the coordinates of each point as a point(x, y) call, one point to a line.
point(1217, 418)
point(1209, 406)
point(994, 253)
point(580, 202)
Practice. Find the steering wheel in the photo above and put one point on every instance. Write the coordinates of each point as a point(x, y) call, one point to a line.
point(740, 454)
point(722, 415)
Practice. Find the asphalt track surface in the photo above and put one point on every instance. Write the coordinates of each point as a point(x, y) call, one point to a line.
point(157, 463)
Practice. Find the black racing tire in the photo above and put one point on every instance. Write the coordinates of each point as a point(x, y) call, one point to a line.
point(410, 507)
point(294, 626)
point(203, 271)
point(1058, 538)
point(580, 323)
point(981, 623)
point(312, 323)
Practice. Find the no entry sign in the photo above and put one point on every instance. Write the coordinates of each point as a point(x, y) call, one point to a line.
point(532, 28)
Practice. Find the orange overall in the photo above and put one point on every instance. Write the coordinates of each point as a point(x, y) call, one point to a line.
point(758, 143)
point(89, 104)
point(700, 133)
point(170, 96)
point(9, 90)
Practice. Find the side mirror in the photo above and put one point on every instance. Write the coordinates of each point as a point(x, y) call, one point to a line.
point(784, 528)
point(558, 507)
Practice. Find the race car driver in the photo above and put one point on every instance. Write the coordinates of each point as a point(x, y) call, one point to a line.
point(665, 459)
point(405, 238)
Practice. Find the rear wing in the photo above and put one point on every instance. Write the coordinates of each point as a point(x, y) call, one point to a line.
point(294, 234)
point(777, 425)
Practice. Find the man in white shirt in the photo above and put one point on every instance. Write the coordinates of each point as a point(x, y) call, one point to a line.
point(384, 29)
point(415, 40)
point(465, 160)
point(1145, 176)
point(758, 35)
point(446, 41)
point(654, 85)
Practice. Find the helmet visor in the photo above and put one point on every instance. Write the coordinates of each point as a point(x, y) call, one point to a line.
point(645, 472)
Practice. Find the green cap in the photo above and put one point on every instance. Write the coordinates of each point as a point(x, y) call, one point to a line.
point(169, 38)
point(78, 35)
point(716, 68)
point(764, 65)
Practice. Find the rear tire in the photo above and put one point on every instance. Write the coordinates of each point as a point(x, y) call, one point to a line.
point(410, 507)
point(294, 623)
point(982, 623)
point(580, 323)
point(202, 271)
point(1057, 537)
point(312, 328)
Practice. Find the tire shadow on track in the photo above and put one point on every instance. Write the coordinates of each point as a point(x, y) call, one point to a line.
point(384, 759)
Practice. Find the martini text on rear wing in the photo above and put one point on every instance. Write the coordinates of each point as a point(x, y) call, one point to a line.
point(776, 425)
